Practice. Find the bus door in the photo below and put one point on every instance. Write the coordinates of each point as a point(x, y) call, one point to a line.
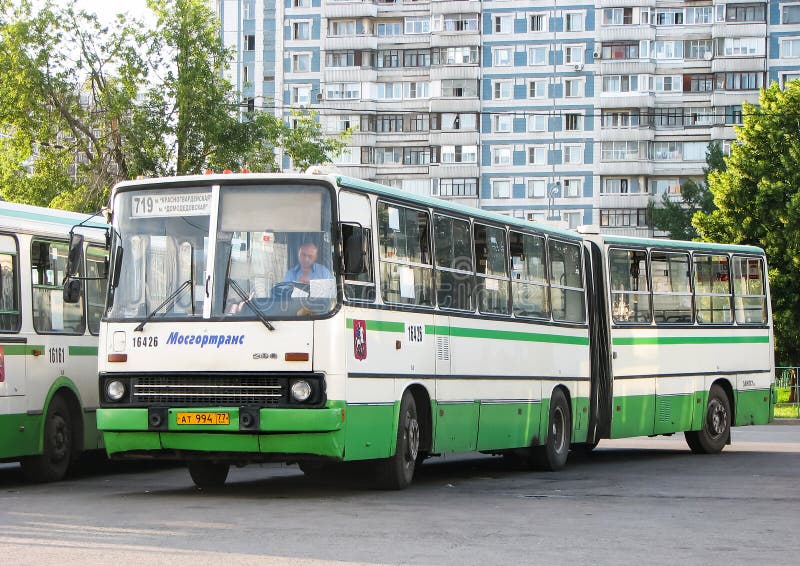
point(12, 344)
point(601, 393)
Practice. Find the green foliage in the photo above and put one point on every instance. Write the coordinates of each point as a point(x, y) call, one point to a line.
point(675, 216)
point(83, 106)
point(758, 203)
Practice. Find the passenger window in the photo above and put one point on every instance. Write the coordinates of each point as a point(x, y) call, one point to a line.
point(712, 289)
point(491, 271)
point(454, 271)
point(51, 315)
point(630, 289)
point(406, 270)
point(9, 285)
point(95, 286)
point(750, 298)
point(672, 292)
point(529, 295)
point(566, 282)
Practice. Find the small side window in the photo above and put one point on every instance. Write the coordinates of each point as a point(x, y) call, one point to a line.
point(712, 289)
point(672, 291)
point(566, 282)
point(95, 286)
point(530, 297)
point(355, 216)
point(454, 272)
point(630, 286)
point(491, 269)
point(405, 255)
point(749, 291)
point(51, 315)
point(9, 285)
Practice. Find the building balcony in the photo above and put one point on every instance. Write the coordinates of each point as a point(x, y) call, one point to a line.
point(455, 138)
point(358, 171)
point(350, 42)
point(455, 39)
point(353, 9)
point(684, 32)
point(411, 41)
point(627, 66)
point(734, 97)
point(393, 170)
point(404, 9)
point(628, 200)
point(349, 74)
point(626, 134)
point(736, 29)
point(623, 168)
point(455, 72)
point(404, 73)
point(441, 104)
point(626, 100)
point(403, 138)
point(678, 168)
point(455, 170)
point(626, 33)
point(735, 64)
point(625, 3)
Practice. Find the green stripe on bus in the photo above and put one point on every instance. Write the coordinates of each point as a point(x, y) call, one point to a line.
point(83, 350)
point(653, 340)
point(383, 326)
point(21, 349)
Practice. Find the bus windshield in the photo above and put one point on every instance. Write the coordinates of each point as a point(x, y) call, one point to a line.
point(273, 252)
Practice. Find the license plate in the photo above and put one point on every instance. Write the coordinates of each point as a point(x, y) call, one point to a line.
point(203, 418)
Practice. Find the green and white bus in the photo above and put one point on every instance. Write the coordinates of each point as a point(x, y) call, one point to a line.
point(48, 348)
point(319, 319)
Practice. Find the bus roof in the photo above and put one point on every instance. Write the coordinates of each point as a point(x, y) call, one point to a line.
point(679, 244)
point(22, 217)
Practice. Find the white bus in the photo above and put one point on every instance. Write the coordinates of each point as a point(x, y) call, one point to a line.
point(319, 319)
point(48, 348)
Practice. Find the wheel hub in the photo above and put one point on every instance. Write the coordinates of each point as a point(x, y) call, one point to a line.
point(412, 439)
point(717, 418)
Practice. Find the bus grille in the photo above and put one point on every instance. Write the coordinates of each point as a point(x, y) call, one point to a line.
point(210, 390)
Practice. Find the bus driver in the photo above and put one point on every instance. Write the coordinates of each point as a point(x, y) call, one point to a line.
point(307, 267)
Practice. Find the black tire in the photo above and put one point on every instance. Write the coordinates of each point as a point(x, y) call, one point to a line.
point(398, 471)
point(552, 455)
point(208, 474)
point(57, 448)
point(716, 430)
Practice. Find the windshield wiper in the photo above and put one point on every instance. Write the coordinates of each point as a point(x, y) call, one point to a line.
point(172, 297)
point(249, 302)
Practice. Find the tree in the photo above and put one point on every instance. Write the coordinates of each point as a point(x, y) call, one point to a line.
point(675, 216)
point(83, 106)
point(758, 203)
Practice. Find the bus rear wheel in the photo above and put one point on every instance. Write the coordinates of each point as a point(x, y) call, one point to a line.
point(398, 471)
point(57, 448)
point(208, 474)
point(716, 425)
point(552, 455)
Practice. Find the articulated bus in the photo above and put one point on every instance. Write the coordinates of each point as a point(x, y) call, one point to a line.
point(320, 319)
point(48, 347)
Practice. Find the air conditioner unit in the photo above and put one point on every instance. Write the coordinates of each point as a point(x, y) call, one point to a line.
point(578, 66)
point(597, 54)
point(320, 96)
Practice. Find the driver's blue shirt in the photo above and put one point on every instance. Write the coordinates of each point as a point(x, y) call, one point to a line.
point(317, 272)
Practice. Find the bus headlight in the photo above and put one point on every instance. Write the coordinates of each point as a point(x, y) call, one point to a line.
point(301, 390)
point(115, 390)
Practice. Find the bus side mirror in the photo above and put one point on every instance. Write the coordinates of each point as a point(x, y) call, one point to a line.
point(355, 249)
point(117, 267)
point(72, 291)
point(75, 257)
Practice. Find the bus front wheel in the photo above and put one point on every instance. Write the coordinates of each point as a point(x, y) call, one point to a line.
point(716, 425)
point(208, 474)
point(552, 455)
point(57, 447)
point(398, 471)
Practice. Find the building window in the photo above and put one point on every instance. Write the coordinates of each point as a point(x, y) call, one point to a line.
point(417, 58)
point(573, 219)
point(456, 56)
point(502, 155)
point(698, 49)
point(537, 55)
point(624, 218)
point(620, 120)
point(745, 46)
point(343, 28)
point(699, 83)
point(537, 188)
point(666, 83)
point(615, 187)
point(301, 62)
point(420, 123)
point(573, 154)
point(459, 154)
point(503, 90)
point(740, 81)
point(457, 22)
point(620, 83)
point(502, 123)
point(537, 123)
point(619, 151)
point(744, 13)
point(503, 56)
point(537, 155)
point(389, 123)
point(466, 121)
point(574, 21)
point(458, 187)
point(460, 87)
point(665, 186)
point(573, 122)
point(249, 43)
point(501, 188)
point(669, 17)
point(621, 51)
point(343, 91)
point(537, 89)
point(618, 16)
point(694, 151)
point(665, 50)
point(573, 88)
point(416, 155)
point(389, 91)
point(300, 94)
point(301, 30)
point(504, 24)
point(416, 90)
point(301, 3)
point(417, 25)
point(571, 188)
point(699, 15)
point(538, 22)
point(573, 54)
point(790, 14)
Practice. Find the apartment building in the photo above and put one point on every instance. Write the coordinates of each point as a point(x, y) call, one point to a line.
point(572, 111)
